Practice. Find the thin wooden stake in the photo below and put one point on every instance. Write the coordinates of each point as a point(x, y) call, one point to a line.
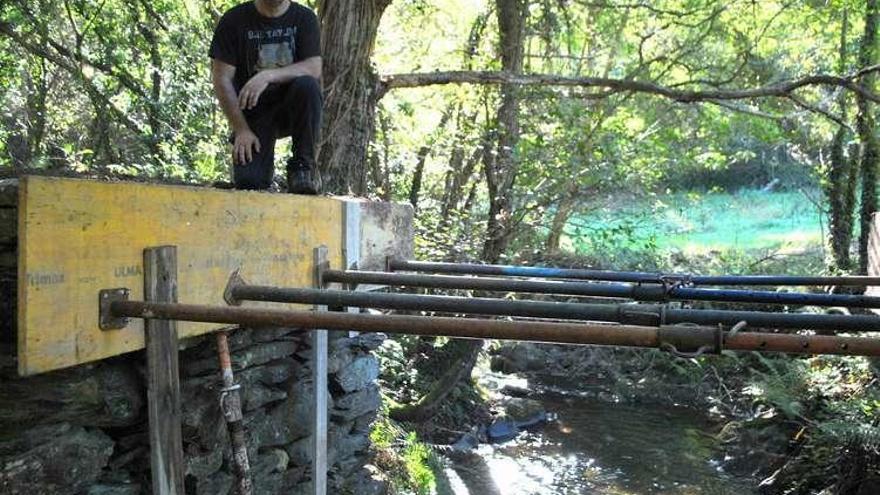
point(163, 378)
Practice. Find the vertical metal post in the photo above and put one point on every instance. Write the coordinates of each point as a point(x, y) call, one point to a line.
point(163, 378)
point(319, 378)
point(352, 252)
point(352, 234)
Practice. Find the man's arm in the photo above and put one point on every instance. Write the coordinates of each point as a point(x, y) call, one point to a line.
point(252, 90)
point(245, 141)
point(308, 67)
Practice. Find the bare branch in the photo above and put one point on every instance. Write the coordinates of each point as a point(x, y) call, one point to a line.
point(747, 110)
point(778, 90)
point(640, 5)
point(821, 111)
point(867, 70)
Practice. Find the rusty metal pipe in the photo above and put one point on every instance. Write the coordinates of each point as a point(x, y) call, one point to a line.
point(638, 292)
point(535, 331)
point(230, 404)
point(631, 314)
point(616, 276)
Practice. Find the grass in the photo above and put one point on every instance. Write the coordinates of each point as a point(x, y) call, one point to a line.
point(409, 463)
point(698, 223)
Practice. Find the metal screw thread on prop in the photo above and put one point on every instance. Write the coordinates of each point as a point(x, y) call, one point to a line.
point(230, 404)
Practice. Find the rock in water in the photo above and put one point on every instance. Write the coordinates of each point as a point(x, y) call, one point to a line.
point(502, 430)
point(525, 413)
point(517, 414)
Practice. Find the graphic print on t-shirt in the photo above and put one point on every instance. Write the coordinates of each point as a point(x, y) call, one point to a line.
point(275, 47)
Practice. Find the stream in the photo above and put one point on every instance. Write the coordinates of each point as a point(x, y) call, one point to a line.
point(597, 446)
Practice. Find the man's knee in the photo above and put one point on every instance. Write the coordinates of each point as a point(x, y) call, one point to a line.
point(251, 177)
point(305, 86)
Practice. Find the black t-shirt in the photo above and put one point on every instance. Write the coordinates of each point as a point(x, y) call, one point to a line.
point(252, 42)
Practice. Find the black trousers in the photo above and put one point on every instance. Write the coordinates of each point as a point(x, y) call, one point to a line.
point(292, 109)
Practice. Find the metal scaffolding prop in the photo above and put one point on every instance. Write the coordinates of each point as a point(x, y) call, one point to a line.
point(628, 314)
point(230, 405)
point(693, 339)
point(683, 332)
point(639, 292)
point(633, 277)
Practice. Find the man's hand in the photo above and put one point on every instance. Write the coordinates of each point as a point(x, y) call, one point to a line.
point(252, 89)
point(246, 144)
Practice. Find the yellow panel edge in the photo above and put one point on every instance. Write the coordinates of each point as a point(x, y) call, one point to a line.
point(69, 250)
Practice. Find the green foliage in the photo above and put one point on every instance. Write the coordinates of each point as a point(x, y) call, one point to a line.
point(399, 379)
point(119, 87)
point(780, 385)
point(409, 463)
point(415, 457)
point(693, 223)
point(573, 143)
point(832, 403)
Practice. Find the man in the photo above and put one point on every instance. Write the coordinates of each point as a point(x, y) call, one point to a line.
point(266, 62)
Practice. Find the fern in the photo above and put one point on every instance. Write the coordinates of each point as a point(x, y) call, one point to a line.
point(866, 436)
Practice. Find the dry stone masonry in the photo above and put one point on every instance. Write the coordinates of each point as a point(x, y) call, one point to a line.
point(83, 430)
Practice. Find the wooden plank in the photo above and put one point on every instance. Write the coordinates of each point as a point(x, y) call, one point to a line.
point(319, 378)
point(874, 256)
point(79, 236)
point(163, 376)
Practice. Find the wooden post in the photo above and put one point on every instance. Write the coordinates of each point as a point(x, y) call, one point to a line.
point(319, 378)
point(163, 378)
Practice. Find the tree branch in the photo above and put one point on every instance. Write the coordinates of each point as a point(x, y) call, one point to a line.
point(89, 85)
point(747, 110)
point(115, 71)
point(821, 111)
point(780, 90)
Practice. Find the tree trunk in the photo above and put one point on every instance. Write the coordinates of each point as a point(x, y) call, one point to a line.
point(870, 154)
point(560, 218)
point(840, 191)
point(466, 352)
point(841, 181)
point(37, 108)
point(424, 152)
point(415, 188)
point(154, 105)
point(501, 172)
point(348, 33)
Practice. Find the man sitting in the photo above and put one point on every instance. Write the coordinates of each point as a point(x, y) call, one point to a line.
point(266, 62)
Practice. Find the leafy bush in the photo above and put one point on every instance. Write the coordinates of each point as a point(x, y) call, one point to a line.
point(830, 405)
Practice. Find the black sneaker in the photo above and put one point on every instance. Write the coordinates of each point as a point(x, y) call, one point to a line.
point(302, 178)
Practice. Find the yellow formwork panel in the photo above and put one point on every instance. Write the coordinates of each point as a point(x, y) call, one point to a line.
point(77, 237)
point(874, 257)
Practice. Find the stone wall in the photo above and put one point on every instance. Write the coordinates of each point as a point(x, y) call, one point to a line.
point(83, 430)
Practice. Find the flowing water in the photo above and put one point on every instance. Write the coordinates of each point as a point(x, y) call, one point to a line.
point(600, 447)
